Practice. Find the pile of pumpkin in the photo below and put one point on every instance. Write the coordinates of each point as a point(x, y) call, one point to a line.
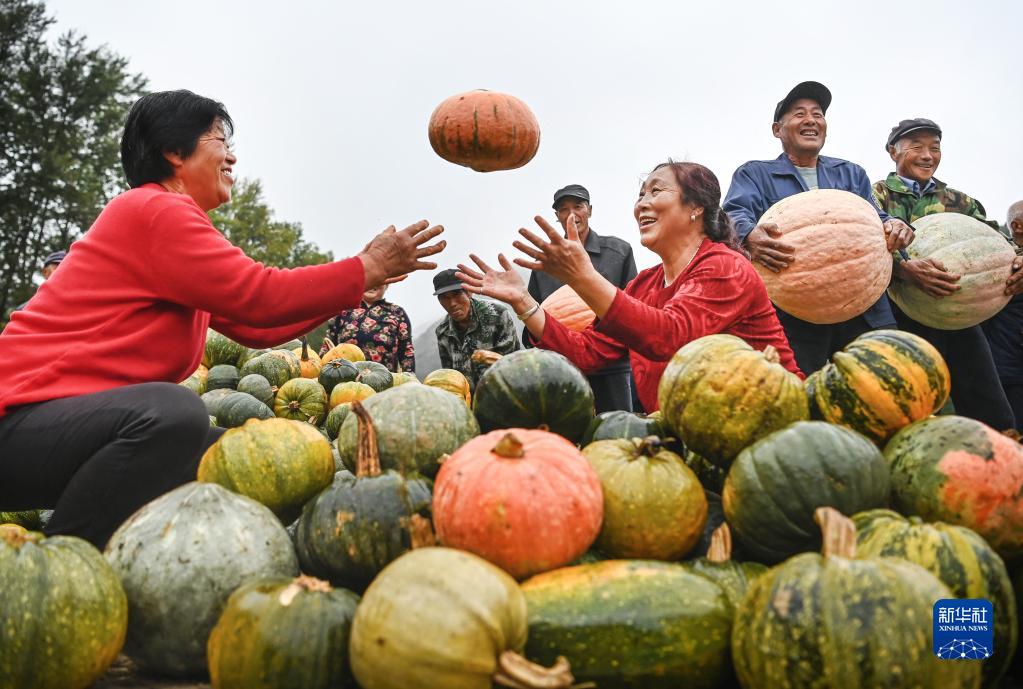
point(382, 535)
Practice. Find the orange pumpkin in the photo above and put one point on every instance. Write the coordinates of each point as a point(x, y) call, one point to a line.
point(485, 131)
point(349, 392)
point(345, 350)
point(566, 307)
point(526, 500)
point(842, 264)
point(451, 380)
point(309, 360)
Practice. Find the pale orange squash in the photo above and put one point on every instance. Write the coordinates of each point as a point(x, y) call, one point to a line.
point(566, 307)
point(485, 131)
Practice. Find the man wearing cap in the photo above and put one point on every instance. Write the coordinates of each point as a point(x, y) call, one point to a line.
point(800, 125)
point(50, 264)
point(613, 259)
point(471, 324)
point(910, 193)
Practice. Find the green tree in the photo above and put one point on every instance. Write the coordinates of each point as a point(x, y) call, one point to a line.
point(62, 107)
point(248, 223)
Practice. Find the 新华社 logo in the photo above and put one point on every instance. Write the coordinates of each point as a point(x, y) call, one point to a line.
point(964, 629)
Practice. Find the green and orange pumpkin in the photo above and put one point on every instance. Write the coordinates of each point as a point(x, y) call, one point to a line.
point(451, 380)
point(302, 399)
point(353, 391)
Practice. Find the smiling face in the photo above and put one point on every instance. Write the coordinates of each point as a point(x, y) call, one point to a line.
point(663, 217)
point(917, 155)
point(206, 175)
point(802, 128)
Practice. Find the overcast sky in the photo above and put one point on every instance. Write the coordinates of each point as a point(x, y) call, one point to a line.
point(331, 100)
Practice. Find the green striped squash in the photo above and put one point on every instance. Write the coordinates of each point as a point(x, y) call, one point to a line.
point(238, 407)
point(220, 349)
point(625, 624)
point(882, 381)
point(301, 399)
point(373, 374)
point(959, 558)
point(259, 387)
point(274, 367)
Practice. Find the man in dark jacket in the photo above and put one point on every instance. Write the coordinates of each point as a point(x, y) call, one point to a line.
point(613, 259)
point(800, 125)
point(910, 193)
point(1005, 331)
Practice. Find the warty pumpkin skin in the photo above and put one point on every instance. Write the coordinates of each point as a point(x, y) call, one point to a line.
point(484, 130)
point(302, 399)
point(959, 558)
point(30, 520)
point(834, 621)
point(959, 471)
point(654, 506)
point(415, 425)
point(281, 633)
point(882, 381)
point(220, 349)
point(966, 247)
point(626, 624)
point(525, 500)
point(451, 380)
point(534, 388)
point(179, 558)
point(566, 307)
point(279, 463)
point(842, 264)
point(776, 484)
point(63, 613)
point(719, 395)
point(274, 368)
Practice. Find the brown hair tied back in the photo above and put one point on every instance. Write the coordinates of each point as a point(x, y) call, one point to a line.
point(700, 186)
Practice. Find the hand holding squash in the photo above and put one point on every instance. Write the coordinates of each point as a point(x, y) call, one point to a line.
point(764, 247)
point(898, 234)
point(1014, 285)
point(930, 275)
point(392, 254)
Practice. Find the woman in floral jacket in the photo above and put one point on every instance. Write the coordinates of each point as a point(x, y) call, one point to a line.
point(380, 329)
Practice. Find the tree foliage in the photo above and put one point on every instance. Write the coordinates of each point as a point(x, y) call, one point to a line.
point(248, 223)
point(62, 107)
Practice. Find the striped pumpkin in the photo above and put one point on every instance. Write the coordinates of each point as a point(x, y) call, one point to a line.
point(484, 130)
point(566, 307)
point(969, 248)
point(958, 470)
point(958, 557)
point(719, 395)
point(451, 380)
point(882, 381)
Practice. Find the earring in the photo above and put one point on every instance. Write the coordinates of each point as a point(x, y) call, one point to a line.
point(693, 217)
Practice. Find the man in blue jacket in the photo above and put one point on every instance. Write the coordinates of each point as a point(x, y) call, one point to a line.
point(757, 185)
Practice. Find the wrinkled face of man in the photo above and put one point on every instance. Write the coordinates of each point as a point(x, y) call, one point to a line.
point(802, 128)
point(569, 206)
point(917, 155)
point(457, 303)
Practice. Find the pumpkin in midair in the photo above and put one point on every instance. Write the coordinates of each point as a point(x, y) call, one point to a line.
point(842, 264)
point(484, 130)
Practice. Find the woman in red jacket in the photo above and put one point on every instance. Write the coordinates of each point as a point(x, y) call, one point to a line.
point(92, 422)
point(704, 285)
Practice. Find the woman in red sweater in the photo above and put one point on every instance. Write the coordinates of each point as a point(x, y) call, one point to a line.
point(92, 421)
point(703, 286)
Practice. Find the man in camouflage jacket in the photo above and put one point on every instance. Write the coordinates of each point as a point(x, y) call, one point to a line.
point(471, 324)
point(910, 193)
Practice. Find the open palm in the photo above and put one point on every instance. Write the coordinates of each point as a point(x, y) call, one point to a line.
point(504, 285)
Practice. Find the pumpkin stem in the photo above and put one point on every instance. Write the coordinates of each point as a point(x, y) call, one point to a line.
point(485, 356)
point(720, 549)
point(771, 354)
point(838, 531)
point(330, 345)
point(299, 584)
point(305, 348)
point(421, 532)
point(516, 672)
point(368, 457)
point(650, 445)
point(509, 447)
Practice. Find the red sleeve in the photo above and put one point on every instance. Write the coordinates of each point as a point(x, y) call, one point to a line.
point(192, 264)
point(713, 296)
point(258, 338)
point(589, 350)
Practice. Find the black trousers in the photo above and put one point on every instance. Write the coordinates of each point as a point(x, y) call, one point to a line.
point(976, 390)
point(814, 344)
point(95, 459)
point(612, 391)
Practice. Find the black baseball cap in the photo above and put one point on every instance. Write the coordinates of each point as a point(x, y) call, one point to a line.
point(813, 90)
point(906, 127)
point(54, 259)
point(445, 281)
point(574, 190)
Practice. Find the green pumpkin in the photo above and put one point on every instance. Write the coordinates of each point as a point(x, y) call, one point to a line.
point(775, 485)
point(350, 531)
point(220, 349)
point(277, 462)
point(711, 476)
point(278, 632)
point(621, 424)
point(959, 558)
point(719, 395)
point(238, 407)
point(259, 387)
point(534, 388)
point(439, 618)
point(196, 382)
point(301, 399)
point(276, 369)
point(415, 425)
point(337, 371)
point(374, 375)
point(335, 417)
point(180, 557)
point(29, 519)
point(733, 577)
point(63, 613)
point(213, 398)
point(654, 506)
point(626, 624)
point(222, 376)
point(833, 621)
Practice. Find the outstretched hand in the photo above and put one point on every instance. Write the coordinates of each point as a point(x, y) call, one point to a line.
point(393, 254)
point(563, 258)
point(504, 285)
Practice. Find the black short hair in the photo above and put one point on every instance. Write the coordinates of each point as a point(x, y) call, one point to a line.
point(166, 121)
